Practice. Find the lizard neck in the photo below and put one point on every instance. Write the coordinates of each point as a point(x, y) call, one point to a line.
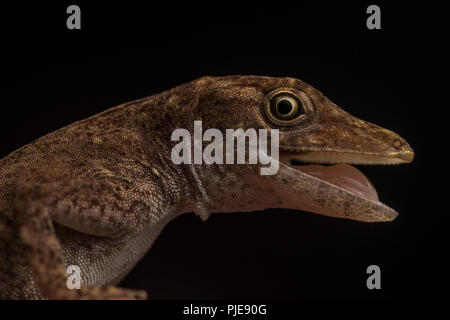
point(200, 188)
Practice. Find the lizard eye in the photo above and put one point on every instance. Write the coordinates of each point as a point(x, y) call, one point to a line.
point(286, 108)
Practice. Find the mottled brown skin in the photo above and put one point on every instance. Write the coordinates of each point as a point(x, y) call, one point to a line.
point(98, 192)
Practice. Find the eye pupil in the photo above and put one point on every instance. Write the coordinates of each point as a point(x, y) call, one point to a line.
point(284, 107)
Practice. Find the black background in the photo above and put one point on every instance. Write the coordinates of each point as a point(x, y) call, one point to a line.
point(54, 76)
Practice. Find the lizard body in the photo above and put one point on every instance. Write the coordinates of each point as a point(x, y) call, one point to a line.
point(98, 192)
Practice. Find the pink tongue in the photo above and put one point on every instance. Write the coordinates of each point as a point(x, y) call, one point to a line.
point(344, 176)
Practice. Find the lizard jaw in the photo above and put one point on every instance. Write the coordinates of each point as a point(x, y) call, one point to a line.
point(344, 177)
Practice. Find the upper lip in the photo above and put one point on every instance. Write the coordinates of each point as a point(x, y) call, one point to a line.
point(311, 155)
point(406, 155)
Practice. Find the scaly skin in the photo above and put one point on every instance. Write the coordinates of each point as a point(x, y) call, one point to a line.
point(98, 192)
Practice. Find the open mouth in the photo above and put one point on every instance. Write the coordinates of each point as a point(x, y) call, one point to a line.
point(344, 176)
point(338, 170)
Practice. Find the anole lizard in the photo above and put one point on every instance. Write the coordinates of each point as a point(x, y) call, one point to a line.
point(97, 193)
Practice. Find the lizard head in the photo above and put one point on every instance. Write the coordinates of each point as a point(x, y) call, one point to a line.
point(312, 130)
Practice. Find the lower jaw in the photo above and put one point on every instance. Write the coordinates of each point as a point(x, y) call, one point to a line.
point(342, 175)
